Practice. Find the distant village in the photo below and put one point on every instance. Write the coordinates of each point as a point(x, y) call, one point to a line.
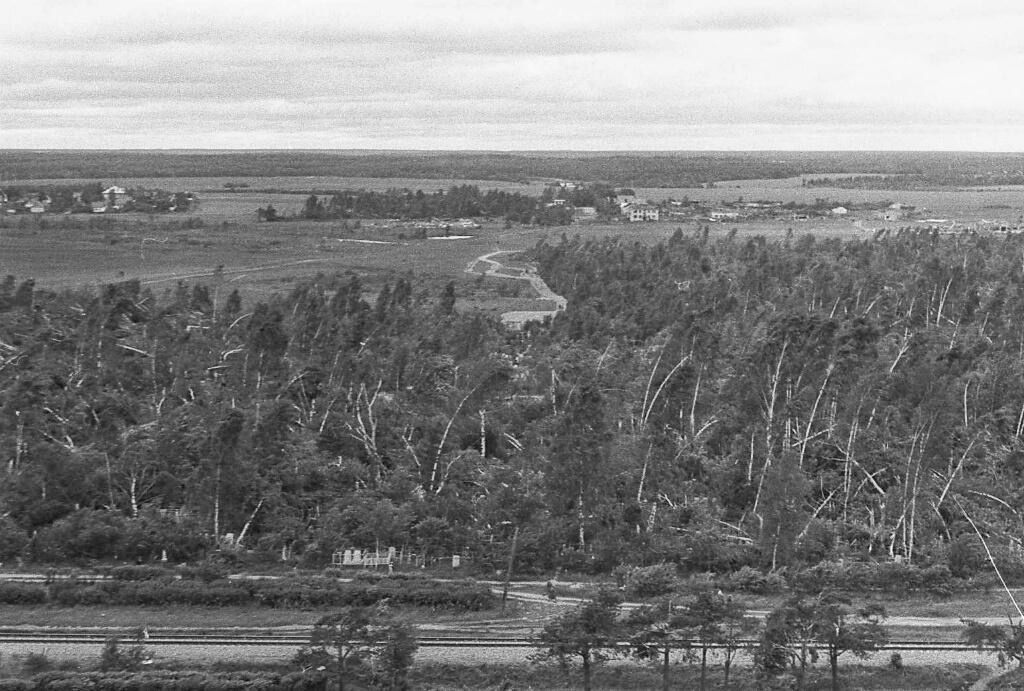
point(624, 205)
point(93, 198)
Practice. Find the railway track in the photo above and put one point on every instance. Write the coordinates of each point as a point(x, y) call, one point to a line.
point(271, 639)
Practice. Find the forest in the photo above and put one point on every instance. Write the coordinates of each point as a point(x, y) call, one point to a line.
point(631, 169)
point(722, 404)
point(953, 177)
point(460, 201)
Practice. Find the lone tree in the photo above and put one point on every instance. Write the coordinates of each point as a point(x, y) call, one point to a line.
point(788, 640)
point(588, 632)
point(1007, 642)
point(344, 640)
point(655, 631)
point(841, 630)
point(716, 620)
point(395, 656)
point(800, 629)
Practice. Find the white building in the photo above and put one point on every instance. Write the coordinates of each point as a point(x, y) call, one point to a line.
point(642, 212)
point(116, 196)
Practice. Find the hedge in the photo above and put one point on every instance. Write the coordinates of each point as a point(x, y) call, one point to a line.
point(291, 593)
point(173, 680)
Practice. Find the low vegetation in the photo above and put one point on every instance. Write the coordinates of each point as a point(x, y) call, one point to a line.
point(292, 593)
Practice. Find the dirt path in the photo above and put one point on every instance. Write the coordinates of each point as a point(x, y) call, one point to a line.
point(496, 269)
point(235, 273)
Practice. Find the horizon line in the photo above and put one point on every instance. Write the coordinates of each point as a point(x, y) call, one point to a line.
point(171, 150)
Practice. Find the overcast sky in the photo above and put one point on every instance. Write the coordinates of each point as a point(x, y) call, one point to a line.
point(481, 74)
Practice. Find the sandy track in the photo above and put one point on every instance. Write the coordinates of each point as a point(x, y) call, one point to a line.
point(518, 318)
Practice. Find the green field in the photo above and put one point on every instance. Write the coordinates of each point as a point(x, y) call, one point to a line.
point(263, 258)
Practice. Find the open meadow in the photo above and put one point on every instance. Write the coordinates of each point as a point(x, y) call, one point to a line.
point(223, 232)
point(222, 244)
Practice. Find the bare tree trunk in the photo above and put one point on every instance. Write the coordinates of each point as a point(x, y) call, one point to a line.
point(813, 414)
point(586, 671)
point(444, 438)
point(216, 505)
point(245, 528)
point(770, 402)
point(579, 517)
point(508, 571)
point(19, 443)
point(133, 496)
point(483, 433)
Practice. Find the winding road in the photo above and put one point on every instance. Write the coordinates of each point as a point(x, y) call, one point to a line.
point(516, 319)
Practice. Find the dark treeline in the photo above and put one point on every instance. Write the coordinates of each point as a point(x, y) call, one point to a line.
point(642, 169)
point(930, 179)
point(461, 201)
point(714, 403)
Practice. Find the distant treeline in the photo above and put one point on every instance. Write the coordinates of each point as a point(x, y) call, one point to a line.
point(462, 201)
point(952, 178)
point(640, 169)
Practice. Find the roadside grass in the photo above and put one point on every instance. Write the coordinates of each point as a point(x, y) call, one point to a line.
point(442, 677)
point(156, 617)
point(1013, 679)
point(86, 616)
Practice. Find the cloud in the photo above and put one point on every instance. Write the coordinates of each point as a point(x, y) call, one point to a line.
point(448, 73)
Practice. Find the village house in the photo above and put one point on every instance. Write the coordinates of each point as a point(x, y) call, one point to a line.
point(642, 212)
point(116, 196)
point(895, 212)
point(584, 213)
point(724, 215)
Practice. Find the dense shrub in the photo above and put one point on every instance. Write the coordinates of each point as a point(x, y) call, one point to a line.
point(140, 573)
point(298, 593)
point(206, 572)
point(21, 593)
point(16, 685)
point(887, 576)
point(116, 657)
point(36, 663)
point(12, 539)
point(174, 680)
point(965, 558)
point(751, 580)
point(85, 534)
point(650, 581)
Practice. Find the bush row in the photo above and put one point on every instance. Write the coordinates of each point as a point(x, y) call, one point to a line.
point(661, 579)
point(832, 575)
point(888, 576)
point(158, 680)
point(309, 593)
